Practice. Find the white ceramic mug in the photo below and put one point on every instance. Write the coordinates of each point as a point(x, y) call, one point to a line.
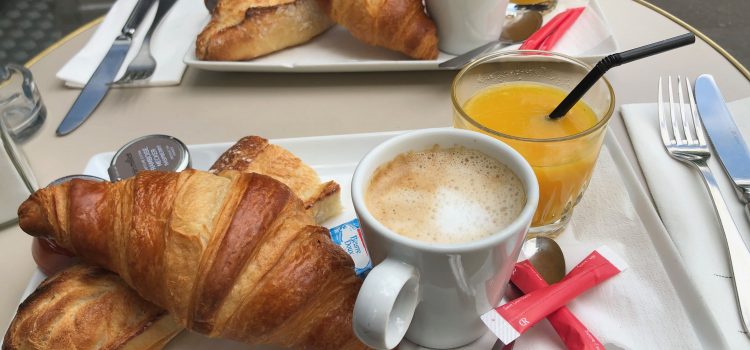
point(466, 24)
point(434, 293)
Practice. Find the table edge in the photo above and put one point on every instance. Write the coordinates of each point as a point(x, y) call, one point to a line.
point(62, 41)
point(740, 67)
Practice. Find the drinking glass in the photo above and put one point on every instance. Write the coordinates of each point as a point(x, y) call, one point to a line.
point(563, 165)
point(21, 107)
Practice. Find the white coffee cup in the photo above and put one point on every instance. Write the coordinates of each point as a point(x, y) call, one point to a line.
point(466, 24)
point(434, 293)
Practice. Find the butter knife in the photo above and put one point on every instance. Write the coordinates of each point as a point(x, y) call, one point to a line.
point(733, 154)
point(98, 85)
point(725, 137)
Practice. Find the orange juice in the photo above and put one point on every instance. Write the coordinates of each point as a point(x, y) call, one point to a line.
point(562, 164)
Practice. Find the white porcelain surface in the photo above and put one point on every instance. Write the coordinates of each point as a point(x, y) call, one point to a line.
point(466, 24)
point(338, 51)
point(335, 157)
point(457, 282)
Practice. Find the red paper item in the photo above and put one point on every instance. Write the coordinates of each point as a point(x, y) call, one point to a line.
point(572, 332)
point(512, 319)
point(550, 42)
point(554, 30)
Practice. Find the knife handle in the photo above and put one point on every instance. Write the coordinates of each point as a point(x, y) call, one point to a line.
point(136, 17)
point(739, 254)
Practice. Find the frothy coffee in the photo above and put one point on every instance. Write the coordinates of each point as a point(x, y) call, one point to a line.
point(445, 195)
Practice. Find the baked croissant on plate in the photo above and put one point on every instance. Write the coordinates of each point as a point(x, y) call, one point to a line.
point(90, 301)
point(249, 154)
point(230, 255)
point(245, 29)
point(400, 25)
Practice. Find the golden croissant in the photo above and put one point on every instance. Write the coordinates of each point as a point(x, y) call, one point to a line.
point(400, 25)
point(232, 255)
point(81, 308)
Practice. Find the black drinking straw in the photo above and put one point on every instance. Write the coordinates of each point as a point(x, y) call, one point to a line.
point(615, 60)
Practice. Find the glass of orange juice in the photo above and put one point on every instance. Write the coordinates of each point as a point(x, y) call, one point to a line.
point(508, 95)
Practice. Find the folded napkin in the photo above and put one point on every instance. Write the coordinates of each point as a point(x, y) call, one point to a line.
point(179, 23)
point(589, 36)
point(548, 35)
point(636, 309)
point(686, 210)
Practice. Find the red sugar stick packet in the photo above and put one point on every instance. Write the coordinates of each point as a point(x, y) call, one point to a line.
point(555, 36)
point(512, 319)
point(556, 27)
point(572, 332)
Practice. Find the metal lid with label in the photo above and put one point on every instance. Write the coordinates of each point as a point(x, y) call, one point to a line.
point(152, 152)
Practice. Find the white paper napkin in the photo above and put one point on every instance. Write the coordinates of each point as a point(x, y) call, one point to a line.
point(589, 38)
point(636, 309)
point(169, 43)
point(686, 210)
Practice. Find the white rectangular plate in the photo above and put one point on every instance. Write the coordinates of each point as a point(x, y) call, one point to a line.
point(337, 51)
point(335, 158)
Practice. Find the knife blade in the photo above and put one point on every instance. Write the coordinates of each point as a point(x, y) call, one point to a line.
point(464, 58)
point(98, 85)
point(724, 135)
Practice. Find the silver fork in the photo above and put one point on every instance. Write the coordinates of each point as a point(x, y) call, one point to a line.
point(693, 150)
point(143, 65)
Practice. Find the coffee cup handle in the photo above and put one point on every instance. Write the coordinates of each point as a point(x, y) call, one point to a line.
point(386, 303)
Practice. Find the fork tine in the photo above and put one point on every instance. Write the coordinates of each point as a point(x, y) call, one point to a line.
point(699, 133)
point(685, 121)
point(663, 121)
point(673, 114)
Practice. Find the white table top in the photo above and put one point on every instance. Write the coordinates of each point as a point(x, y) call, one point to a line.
point(210, 107)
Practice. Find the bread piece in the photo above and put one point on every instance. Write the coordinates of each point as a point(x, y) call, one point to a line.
point(82, 308)
point(255, 154)
point(250, 154)
point(245, 29)
point(400, 25)
point(230, 255)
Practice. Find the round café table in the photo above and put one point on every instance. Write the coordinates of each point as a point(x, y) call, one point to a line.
point(211, 107)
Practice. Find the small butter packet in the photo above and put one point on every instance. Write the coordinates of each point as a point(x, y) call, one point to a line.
point(349, 237)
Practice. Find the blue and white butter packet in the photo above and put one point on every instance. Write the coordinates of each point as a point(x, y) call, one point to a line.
point(349, 237)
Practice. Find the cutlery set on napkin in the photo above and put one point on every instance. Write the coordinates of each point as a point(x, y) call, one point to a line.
point(117, 47)
point(696, 228)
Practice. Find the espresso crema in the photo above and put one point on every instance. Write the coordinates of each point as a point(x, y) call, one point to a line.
point(445, 195)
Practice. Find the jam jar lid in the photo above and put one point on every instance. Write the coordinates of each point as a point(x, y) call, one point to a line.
point(152, 152)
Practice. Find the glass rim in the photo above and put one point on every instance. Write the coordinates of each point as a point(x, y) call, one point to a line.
point(484, 59)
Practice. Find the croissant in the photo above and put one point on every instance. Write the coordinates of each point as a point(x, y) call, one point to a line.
point(231, 255)
point(249, 154)
point(400, 25)
point(92, 299)
point(245, 29)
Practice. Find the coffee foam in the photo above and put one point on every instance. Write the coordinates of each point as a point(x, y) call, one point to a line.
point(445, 195)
